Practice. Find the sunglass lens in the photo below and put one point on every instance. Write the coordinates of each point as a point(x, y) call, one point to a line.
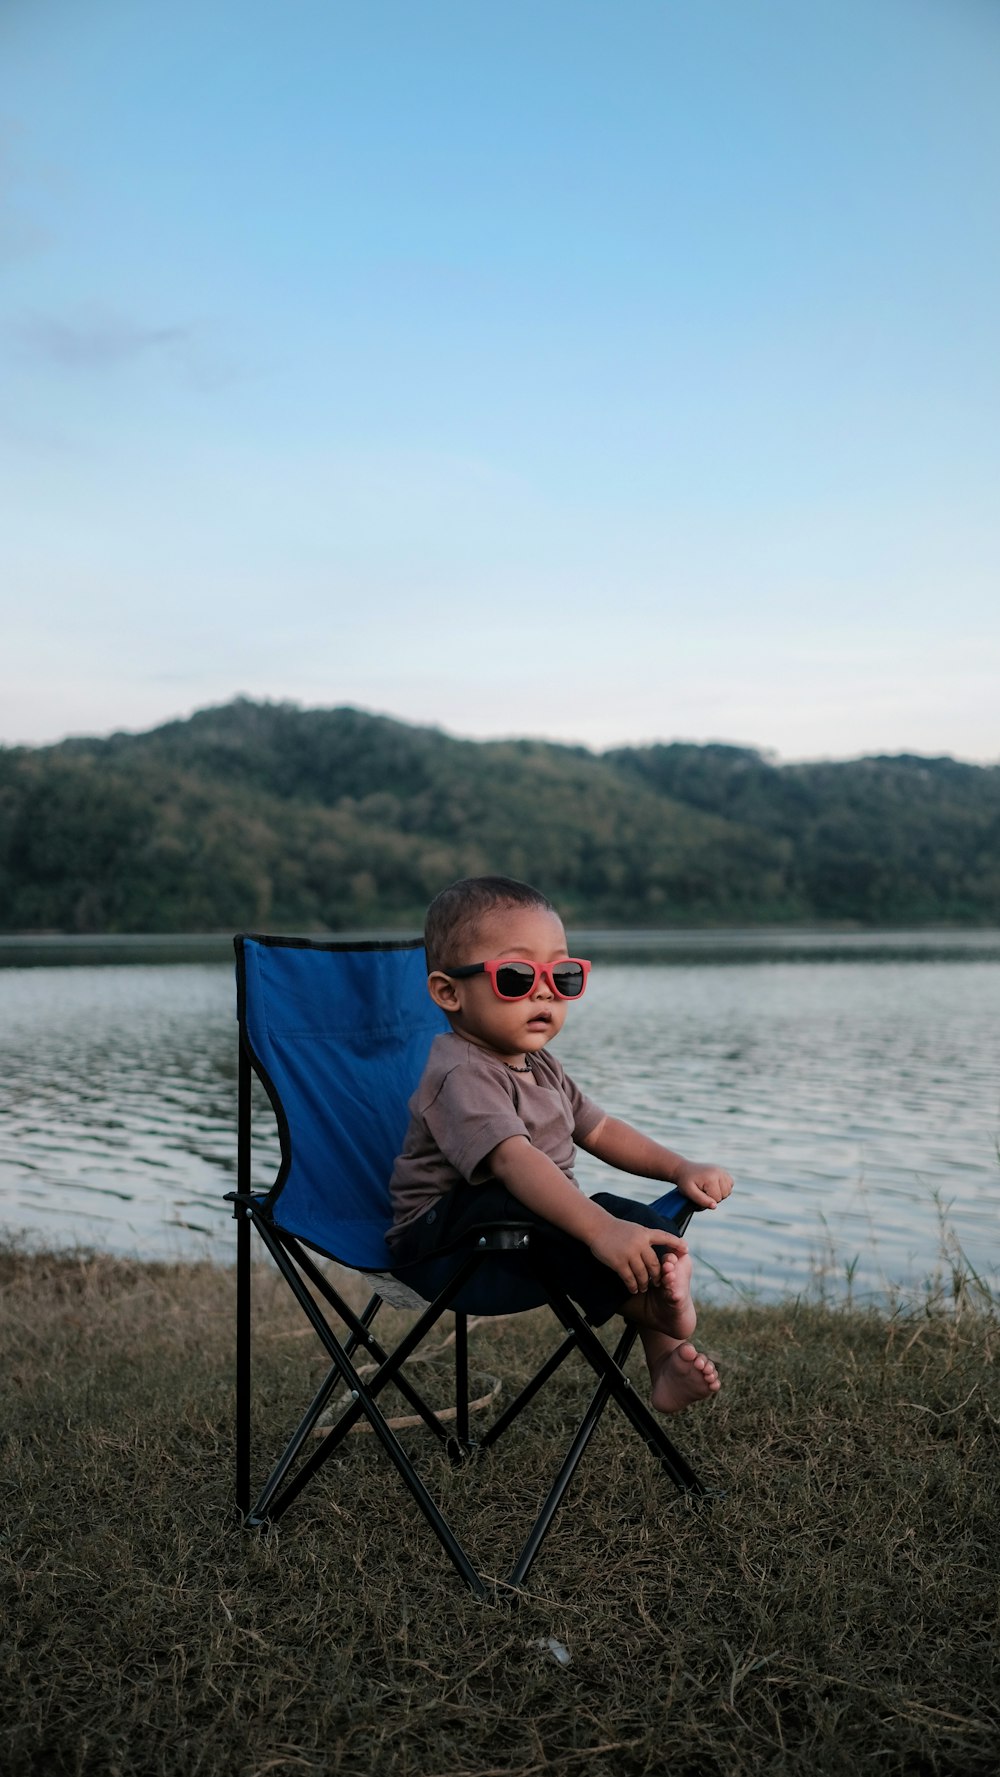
point(515, 980)
point(569, 979)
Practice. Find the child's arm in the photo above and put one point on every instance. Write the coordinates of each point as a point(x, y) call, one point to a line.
point(631, 1151)
point(535, 1180)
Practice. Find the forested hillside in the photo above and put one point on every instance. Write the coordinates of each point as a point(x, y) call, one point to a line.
point(267, 815)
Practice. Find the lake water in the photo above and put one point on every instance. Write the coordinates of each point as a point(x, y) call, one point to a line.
point(850, 1083)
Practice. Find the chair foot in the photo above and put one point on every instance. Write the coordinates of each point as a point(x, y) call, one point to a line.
point(509, 1592)
point(459, 1452)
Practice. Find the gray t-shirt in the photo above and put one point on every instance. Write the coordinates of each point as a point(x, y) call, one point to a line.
point(466, 1103)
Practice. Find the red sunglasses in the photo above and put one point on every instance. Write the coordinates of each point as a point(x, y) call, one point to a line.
point(518, 980)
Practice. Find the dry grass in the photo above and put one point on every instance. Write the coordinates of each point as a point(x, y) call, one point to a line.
point(835, 1612)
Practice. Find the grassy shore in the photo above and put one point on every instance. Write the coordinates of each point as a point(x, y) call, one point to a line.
point(836, 1611)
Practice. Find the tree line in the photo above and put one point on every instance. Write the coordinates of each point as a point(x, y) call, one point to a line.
point(265, 815)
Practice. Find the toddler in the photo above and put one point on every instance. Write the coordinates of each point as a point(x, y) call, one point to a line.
point(495, 1120)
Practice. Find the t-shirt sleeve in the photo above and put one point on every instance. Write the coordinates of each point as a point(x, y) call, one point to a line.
point(586, 1114)
point(471, 1112)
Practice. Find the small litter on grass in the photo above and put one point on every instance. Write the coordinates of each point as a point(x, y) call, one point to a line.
point(549, 1645)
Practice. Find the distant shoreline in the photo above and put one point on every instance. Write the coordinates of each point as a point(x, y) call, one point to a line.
point(815, 942)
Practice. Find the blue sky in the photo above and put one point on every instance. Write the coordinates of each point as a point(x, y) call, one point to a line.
point(608, 370)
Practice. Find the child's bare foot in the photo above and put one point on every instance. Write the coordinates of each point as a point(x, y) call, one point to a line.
point(682, 1377)
point(671, 1301)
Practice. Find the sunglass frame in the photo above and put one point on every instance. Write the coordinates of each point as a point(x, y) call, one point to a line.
point(543, 971)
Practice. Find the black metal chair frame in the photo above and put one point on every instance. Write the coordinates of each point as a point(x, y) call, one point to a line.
point(300, 1270)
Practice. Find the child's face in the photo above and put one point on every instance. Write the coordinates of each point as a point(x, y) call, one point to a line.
point(511, 1029)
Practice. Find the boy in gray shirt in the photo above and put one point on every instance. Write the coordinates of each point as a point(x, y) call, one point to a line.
point(495, 1121)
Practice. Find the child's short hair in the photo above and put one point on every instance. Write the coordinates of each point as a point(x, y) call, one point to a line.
point(454, 915)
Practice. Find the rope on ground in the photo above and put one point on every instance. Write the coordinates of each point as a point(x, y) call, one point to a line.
point(403, 1420)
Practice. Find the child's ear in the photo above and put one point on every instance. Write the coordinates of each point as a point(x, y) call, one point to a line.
point(443, 991)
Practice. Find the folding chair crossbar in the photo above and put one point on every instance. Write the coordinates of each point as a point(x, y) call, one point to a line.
point(374, 1304)
point(267, 1506)
point(528, 1392)
point(282, 1248)
point(360, 1329)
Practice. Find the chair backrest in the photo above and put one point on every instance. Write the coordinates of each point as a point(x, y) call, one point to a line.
point(339, 1034)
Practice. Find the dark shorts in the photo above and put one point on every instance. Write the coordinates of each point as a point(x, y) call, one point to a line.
point(502, 1284)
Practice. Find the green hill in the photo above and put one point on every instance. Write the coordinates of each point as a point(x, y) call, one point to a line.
point(257, 815)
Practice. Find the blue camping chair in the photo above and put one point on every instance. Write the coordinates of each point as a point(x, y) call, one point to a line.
point(339, 1034)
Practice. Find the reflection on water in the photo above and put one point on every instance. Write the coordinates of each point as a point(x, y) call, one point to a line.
point(842, 1098)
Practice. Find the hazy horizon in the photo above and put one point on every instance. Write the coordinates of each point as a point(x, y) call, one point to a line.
point(767, 753)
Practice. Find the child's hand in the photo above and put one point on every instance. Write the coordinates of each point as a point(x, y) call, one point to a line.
point(634, 1251)
point(704, 1185)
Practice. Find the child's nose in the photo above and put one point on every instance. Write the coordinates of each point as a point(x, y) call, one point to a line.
point(542, 988)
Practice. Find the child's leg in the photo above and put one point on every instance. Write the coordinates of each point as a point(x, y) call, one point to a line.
point(670, 1304)
point(665, 1313)
point(679, 1374)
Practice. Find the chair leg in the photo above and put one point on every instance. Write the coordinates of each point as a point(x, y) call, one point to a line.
point(462, 1382)
point(571, 1462)
point(240, 1200)
point(260, 1514)
point(611, 1381)
point(605, 1367)
point(243, 1283)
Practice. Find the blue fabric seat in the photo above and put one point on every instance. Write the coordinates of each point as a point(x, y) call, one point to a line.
point(339, 1037)
point(339, 1034)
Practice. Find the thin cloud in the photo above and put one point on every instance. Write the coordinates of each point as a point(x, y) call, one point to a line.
point(104, 341)
point(95, 342)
